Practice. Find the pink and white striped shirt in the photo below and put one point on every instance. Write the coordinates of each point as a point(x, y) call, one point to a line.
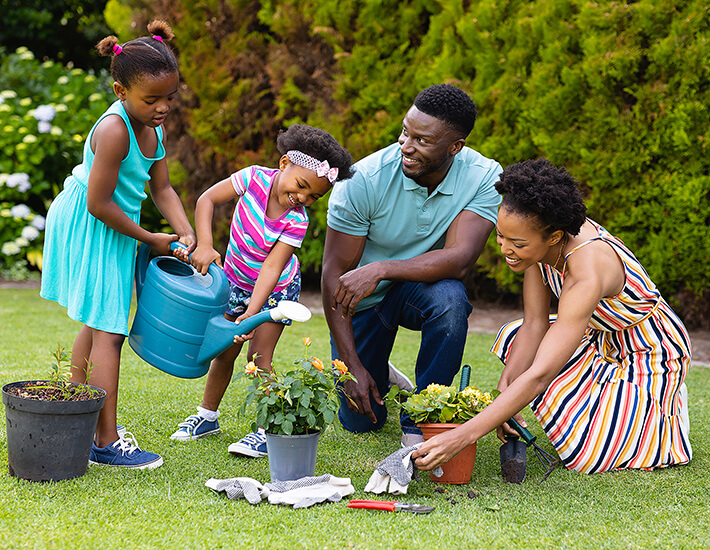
point(253, 234)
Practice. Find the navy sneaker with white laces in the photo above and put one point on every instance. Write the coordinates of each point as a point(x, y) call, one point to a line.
point(124, 453)
point(195, 427)
point(253, 445)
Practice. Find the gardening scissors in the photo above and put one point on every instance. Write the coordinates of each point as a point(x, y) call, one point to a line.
point(390, 506)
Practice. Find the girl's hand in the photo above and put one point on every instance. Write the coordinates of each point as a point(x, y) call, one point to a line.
point(241, 338)
point(190, 242)
point(160, 243)
point(203, 256)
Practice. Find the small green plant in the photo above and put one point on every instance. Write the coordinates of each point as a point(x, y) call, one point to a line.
point(444, 404)
point(300, 401)
point(58, 386)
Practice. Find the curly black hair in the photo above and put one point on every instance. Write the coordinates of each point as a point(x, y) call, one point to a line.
point(540, 190)
point(319, 144)
point(450, 104)
point(145, 56)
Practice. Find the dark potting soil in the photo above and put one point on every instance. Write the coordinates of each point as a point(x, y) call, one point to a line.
point(513, 471)
point(43, 390)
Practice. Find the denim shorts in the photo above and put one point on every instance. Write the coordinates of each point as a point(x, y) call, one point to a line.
point(239, 298)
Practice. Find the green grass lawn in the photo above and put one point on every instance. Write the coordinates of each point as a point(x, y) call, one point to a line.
point(171, 508)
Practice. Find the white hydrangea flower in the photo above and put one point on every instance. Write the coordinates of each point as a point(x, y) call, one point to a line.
point(95, 97)
point(29, 139)
point(26, 101)
point(8, 94)
point(56, 131)
point(45, 113)
point(5, 108)
point(21, 242)
point(30, 233)
point(63, 80)
point(38, 222)
point(68, 98)
point(2, 100)
point(21, 211)
point(61, 108)
point(44, 127)
point(17, 180)
point(10, 249)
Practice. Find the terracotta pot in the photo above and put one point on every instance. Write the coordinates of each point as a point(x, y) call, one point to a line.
point(457, 470)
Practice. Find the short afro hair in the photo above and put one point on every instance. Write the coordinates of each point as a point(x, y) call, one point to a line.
point(540, 190)
point(317, 143)
point(450, 104)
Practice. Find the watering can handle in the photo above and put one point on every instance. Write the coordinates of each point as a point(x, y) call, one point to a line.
point(142, 259)
point(214, 270)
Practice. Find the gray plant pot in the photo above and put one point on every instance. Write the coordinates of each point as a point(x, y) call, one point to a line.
point(49, 440)
point(291, 456)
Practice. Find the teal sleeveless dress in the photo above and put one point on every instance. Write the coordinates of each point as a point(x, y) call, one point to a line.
point(87, 266)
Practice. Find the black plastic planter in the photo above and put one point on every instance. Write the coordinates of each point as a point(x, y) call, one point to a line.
point(49, 440)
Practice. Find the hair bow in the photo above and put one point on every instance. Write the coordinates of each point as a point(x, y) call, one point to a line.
point(324, 170)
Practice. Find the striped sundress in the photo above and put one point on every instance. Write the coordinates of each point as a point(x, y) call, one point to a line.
point(620, 401)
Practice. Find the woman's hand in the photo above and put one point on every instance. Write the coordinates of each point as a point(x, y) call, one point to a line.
point(505, 428)
point(438, 450)
point(203, 256)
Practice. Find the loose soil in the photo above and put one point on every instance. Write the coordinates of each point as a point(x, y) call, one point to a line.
point(43, 390)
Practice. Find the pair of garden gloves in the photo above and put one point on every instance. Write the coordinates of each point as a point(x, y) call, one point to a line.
point(299, 493)
point(395, 473)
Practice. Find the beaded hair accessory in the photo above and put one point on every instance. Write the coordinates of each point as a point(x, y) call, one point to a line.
point(322, 169)
point(117, 49)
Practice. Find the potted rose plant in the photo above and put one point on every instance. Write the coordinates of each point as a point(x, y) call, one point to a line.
point(294, 406)
point(51, 423)
point(440, 408)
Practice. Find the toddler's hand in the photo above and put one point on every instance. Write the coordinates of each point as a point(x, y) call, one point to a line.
point(241, 338)
point(203, 256)
point(184, 253)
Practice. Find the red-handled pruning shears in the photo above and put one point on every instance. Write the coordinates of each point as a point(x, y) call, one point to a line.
point(390, 506)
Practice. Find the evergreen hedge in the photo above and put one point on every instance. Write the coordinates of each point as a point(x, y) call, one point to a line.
point(616, 92)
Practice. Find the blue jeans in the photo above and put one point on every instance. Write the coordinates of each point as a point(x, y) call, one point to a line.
point(440, 311)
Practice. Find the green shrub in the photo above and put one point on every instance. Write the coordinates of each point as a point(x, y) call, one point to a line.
point(46, 111)
point(616, 92)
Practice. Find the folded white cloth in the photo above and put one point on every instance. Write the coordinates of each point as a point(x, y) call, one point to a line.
point(299, 493)
point(307, 491)
point(395, 473)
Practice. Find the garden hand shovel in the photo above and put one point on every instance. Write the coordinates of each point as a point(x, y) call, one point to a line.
point(548, 461)
point(513, 459)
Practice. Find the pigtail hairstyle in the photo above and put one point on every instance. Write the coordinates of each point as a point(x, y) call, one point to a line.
point(318, 144)
point(145, 56)
point(538, 189)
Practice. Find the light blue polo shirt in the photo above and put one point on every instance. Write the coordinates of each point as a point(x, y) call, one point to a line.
point(395, 213)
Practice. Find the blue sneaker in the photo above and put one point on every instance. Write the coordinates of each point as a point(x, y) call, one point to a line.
point(253, 445)
point(124, 453)
point(195, 427)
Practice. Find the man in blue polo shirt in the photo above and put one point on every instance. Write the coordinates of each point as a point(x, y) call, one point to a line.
point(402, 234)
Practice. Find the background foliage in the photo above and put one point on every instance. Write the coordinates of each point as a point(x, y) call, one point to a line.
point(617, 92)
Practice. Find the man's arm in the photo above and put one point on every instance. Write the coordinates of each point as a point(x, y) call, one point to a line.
point(341, 254)
point(465, 240)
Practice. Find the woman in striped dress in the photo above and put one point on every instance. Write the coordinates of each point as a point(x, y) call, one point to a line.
point(605, 376)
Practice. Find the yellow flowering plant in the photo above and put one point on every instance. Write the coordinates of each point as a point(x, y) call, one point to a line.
point(446, 404)
point(301, 400)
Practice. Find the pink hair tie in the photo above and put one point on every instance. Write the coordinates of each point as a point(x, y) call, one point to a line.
point(117, 49)
point(158, 38)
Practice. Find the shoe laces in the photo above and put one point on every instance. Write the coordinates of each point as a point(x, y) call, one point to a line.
point(190, 422)
point(127, 444)
point(254, 438)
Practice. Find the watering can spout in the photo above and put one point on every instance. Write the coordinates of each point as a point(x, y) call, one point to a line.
point(220, 332)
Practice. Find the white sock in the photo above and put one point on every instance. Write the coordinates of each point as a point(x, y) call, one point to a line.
point(208, 415)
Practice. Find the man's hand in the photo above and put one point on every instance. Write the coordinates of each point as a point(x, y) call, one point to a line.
point(353, 286)
point(359, 393)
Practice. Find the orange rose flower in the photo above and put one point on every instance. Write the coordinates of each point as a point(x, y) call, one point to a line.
point(317, 363)
point(340, 366)
point(251, 368)
point(307, 341)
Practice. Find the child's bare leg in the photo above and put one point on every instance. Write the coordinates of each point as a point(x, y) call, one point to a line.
point(106, 359)
point(263, 344)
point(219, 377)
point(80, 355)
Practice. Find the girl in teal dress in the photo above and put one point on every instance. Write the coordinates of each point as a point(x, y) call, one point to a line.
point(93, 224)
